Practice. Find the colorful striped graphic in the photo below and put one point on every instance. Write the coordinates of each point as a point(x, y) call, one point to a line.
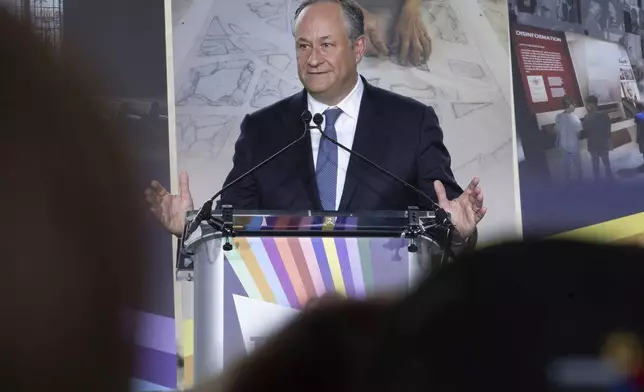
point(291, 271)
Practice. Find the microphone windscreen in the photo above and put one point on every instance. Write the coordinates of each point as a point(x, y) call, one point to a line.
point(306, 116)
point(318, 119)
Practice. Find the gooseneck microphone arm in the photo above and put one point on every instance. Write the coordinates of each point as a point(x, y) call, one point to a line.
point(441, 215)
point(205, 212)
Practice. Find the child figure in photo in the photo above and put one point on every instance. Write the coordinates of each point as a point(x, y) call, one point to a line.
point(598, 130)
point(568, 126)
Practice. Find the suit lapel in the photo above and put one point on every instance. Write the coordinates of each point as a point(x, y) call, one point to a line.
point(365, 142)
point(292, 120)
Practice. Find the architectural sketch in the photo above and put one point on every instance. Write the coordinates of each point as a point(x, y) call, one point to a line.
point(466, 69)
point(267, 9)
point(203, 135)
point(257, 45)
point(496, 12)
point(462, 109)
point(449, 94)
point(495, 155)
point(216, 29)
point(218, 47)
point(279, 22)
point(426, 94)
point(236, 29)
point(419, 92)
point(271, 89)
point(276, 14)
point(444, 21)
point(279, 61)
point(218, 84)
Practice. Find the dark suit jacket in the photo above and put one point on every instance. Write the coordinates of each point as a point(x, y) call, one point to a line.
point(398, 133)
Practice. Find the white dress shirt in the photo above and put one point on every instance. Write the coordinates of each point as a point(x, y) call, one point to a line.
point(345, 127)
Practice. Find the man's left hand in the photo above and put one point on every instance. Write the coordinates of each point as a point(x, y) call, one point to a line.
point(467, 210)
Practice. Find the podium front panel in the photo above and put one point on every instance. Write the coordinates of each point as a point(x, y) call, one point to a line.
point(244, 295)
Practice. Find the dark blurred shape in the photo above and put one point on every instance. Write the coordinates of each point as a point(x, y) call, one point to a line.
point(70, 230)
point(327, 348)
point(498, 319)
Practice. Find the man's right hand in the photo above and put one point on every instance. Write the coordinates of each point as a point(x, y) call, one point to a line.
point(170, 209)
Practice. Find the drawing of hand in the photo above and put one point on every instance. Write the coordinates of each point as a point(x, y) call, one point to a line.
point(410, 40)
point(375, 35)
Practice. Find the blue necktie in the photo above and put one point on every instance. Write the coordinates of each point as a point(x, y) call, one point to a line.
point(326, 169)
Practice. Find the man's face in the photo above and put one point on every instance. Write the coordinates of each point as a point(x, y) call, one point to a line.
point(327, 63)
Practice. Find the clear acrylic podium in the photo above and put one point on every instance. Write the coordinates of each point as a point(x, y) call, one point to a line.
point(248, 285)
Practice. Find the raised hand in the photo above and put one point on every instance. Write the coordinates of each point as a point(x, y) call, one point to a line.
point(467, 210)
point(410, 39)
point(170, 209)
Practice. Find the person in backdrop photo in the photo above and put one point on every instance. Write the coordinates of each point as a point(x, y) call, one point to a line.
point(397, 133)
point(567, 129)
point(597, 126)
point(633, 17)
point(630, 103)
point(548, 9)
point(593, 19)
point(614, 19)
point(569, 11)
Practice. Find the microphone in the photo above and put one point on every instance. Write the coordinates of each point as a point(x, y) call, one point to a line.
point(206, 210)
point(442, 216)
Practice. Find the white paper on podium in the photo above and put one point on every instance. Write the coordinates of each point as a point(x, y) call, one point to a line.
point(259, 320)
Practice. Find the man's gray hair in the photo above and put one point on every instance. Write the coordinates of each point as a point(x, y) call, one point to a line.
point(352, 14)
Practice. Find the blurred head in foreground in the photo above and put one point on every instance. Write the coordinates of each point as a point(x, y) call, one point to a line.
point(513, 317)
point(68, 230)
point(532, 316)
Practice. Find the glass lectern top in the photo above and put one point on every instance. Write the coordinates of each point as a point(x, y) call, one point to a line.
point(285, 221)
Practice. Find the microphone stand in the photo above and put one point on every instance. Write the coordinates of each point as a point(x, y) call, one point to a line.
point(413, 228)
point(225, 223)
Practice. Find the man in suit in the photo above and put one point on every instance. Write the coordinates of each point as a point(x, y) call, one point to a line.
point(398, 133)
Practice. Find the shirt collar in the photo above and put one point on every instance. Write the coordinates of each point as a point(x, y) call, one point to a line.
point(350, 105)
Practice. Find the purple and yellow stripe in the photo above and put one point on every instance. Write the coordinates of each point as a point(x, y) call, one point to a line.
point(242, 271)
point(290, 271)
point(155, 349)
point(264, 261)
point(280, 270)
point(259, 277)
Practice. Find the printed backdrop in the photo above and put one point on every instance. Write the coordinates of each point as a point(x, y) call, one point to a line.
point(233, 57)
point(577, 49)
